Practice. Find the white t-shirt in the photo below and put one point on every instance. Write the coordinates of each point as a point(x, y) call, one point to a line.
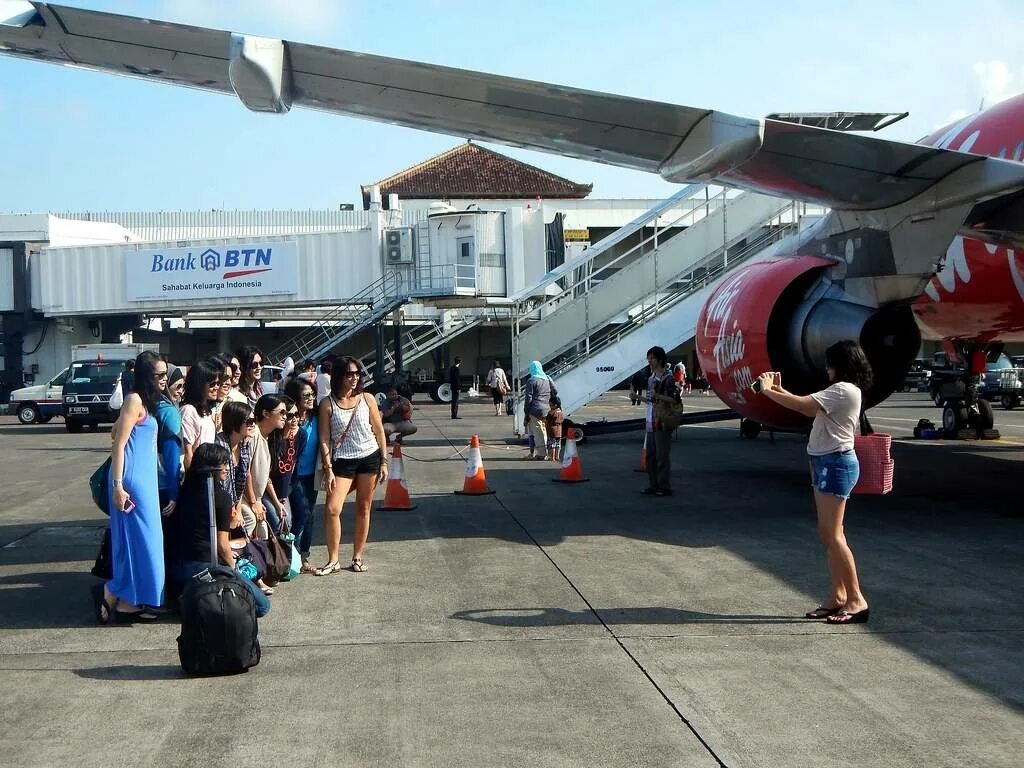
point(323, 386)
point(196, 429)
point(835, 425)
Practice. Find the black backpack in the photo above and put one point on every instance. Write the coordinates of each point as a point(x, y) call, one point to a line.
point(218, 624)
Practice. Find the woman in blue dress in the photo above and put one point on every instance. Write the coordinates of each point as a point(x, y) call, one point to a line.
point(136, 535)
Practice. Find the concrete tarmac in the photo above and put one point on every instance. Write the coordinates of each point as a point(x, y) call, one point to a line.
point(554, 625)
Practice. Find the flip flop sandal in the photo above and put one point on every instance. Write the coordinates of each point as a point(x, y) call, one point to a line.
point(103, 610)
point(328, 569)
point(821, 612)
point(845, 617)
point(356, 566)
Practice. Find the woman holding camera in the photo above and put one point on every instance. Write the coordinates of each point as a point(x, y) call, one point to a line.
point(836, 412)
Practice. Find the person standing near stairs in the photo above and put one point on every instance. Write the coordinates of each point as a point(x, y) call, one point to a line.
point(453, 381)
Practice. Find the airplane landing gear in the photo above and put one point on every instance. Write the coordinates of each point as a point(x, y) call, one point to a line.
point(970, 417)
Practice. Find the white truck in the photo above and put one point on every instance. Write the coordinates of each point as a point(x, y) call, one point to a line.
point(91, 379)
point(40, 403)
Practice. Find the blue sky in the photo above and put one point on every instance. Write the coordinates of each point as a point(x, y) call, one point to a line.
point(76, 140)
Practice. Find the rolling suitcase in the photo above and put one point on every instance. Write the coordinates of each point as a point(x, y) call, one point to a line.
point(218, 617)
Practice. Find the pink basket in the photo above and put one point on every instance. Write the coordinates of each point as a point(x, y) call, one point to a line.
point(876, 464)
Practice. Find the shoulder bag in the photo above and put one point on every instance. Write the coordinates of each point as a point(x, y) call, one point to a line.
point(668, 414)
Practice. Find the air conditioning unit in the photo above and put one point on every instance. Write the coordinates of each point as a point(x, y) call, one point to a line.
point(398, 245)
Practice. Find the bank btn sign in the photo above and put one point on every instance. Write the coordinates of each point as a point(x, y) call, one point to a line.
point(209, 272)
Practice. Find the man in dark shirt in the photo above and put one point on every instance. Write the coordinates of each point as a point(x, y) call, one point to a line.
point(453, 380)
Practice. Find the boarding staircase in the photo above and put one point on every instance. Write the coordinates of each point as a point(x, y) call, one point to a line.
point(602, 312)
point(368, 307)
point(419, 340)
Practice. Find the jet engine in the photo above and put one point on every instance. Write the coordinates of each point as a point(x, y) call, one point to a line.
point(781, 316)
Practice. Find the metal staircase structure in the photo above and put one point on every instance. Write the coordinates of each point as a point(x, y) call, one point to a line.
point(605, 289)
point(599, 314)
point(368, 307)
point(420, 340)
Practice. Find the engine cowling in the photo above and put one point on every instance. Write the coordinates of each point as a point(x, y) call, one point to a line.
point(781, 316)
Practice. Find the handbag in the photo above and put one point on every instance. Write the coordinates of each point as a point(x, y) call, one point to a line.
point(668, 415)
point(279, 561)
point(98, 483)
point(874, 455)
point(245, 567)
point(295, 558)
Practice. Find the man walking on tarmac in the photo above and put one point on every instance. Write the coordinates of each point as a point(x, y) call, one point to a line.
point(453, 381)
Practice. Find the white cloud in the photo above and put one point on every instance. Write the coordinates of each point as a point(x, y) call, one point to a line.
point(995, 81)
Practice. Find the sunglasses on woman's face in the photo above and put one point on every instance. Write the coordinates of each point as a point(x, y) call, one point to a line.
point(353, 373)
point(256, 364)
point(160, 375)
point(292, 415)
point(308, 395)
point(250, 422)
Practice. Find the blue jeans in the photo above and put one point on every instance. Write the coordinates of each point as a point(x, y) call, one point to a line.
point(302, 501)
point(835, 473)
point(181, 572)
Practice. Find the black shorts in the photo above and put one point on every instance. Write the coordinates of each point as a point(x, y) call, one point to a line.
point(498, 397)
point(368, 465)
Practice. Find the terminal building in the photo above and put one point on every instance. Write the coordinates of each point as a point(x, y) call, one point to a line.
point(470, 253)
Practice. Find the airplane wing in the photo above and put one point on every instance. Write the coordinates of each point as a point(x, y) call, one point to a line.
point(680, 143)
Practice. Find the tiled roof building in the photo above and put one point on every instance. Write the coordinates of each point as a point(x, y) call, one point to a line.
point(471, 172)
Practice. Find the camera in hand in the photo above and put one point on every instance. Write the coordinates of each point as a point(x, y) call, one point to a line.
point(756, 386)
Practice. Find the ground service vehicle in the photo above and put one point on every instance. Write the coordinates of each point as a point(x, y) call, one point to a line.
point(91, 379)
point(39, 403)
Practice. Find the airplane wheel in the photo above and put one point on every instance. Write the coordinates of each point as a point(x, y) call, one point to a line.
point(988, 418)
point(750, 429)
point(443, 393)
point(937, 399)
point(381, 399)
point(954, 418)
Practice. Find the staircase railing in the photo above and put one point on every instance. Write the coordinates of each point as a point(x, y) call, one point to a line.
point(703, 273)
point(346, 319)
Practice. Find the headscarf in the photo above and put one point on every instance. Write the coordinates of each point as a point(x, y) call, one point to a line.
point(537, 371)
point(174, 373)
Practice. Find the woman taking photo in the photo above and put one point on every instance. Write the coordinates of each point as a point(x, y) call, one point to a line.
point(353, 451)
point(661, 388)
point(834, 468)
point(136, 534)
point(302, 499)
point(202, 385)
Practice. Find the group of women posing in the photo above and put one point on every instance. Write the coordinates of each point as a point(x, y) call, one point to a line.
point(262, 449)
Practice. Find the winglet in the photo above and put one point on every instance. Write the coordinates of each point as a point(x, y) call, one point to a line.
point(260, 74)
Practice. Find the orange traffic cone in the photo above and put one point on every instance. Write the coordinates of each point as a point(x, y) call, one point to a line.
point(572, 470)
point(643, 457)
point(476, 481)
point(396, 498)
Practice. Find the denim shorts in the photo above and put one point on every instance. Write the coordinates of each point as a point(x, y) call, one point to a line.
point(835, 473)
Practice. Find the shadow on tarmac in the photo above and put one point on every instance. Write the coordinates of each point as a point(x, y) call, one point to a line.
point(552, 617)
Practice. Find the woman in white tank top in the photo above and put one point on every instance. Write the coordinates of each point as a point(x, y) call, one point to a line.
point(353, 451)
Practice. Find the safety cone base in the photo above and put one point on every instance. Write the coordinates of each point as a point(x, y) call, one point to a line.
point(560, 480)
point(396, 509)
point(488, 492)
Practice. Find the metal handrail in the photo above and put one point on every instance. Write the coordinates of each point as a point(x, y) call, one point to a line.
point(711, 268)
point(353, 311)
point(607, 243)
point(585, 279)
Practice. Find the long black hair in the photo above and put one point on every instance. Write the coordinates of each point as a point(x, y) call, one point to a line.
point(209, 457)
point(341, 365)
point(848, 360)
point(294, 389)
point(249, 385)
point(199, 377)
point(145, 385)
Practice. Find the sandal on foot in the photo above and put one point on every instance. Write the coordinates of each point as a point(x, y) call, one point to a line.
point(357, 565)
point(268, 591)
point(845, 617)
point(328, 569)
point(649, 492)
point(821, 612)
point(103, 610)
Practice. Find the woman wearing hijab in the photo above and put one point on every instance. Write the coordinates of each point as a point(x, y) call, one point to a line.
point(168, 441)
point(537, 394)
